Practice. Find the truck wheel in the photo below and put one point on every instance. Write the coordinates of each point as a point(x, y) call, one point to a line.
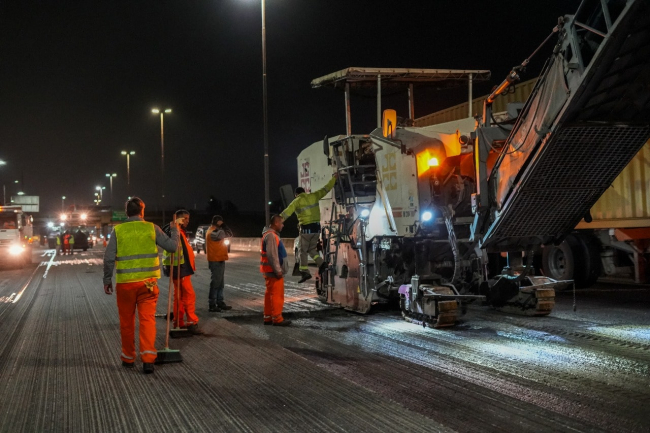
point(558, 261)
point(591, 265)
point(576, 258)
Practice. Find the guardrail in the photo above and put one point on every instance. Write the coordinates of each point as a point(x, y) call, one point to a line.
point(253, 244)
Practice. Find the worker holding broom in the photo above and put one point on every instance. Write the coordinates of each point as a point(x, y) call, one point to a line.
point(133, 250)
point(182, 268)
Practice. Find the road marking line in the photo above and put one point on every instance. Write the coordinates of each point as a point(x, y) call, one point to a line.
point(25, 286)
point(49, 264)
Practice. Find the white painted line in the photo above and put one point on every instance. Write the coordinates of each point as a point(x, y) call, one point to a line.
point(49, 264)
point(20, 294)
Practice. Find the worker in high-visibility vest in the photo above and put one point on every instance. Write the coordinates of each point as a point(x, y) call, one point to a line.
point(184, 295)
point(66, 242)
point(273, 265)
point(71, 245)
point(133, 250)
point(58, 244)
point(217, 252)
point(307, 210)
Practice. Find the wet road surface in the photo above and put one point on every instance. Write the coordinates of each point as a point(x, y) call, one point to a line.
point(331, 371)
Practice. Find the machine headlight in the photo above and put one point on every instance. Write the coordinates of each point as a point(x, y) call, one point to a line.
point(84, 216)
point(227, 242)
point(427, 215)
point(365, 213)
point(14, 250)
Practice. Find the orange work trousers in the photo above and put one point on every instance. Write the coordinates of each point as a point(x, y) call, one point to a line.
point(132, 296)
point(273, 299)
point(187, 306)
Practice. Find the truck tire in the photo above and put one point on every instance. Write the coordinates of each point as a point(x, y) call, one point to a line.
point(591, 265)
point(577, 258)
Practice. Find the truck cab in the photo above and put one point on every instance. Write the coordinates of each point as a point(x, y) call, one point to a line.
point(16, 231)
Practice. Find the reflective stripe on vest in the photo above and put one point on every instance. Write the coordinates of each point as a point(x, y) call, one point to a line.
point(265, 266)
point(137, 253)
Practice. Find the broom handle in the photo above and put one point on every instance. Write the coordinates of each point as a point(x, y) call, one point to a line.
point(178, 280)
point(169, 305)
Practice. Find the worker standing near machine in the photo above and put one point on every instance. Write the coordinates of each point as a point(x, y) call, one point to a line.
point(307, 210)
point(66, 242)
point(184, 295)
point(215, 240)
point(274, 266)
point(133, 245)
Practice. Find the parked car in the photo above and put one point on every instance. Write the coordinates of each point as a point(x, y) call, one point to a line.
point(198, 242)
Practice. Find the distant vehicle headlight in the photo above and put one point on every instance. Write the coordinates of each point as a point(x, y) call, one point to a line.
point(227, 242)
point(14, 250)
point(427, 215)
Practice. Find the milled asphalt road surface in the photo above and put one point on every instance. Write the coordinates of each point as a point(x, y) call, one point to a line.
point(331, 371)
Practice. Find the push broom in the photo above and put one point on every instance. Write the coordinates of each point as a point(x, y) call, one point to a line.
point(167, 355)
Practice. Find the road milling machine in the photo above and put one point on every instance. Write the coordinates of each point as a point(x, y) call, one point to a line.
point(436, 217)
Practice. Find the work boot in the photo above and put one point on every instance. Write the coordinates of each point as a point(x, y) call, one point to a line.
point(147, 368)
point(283, 323)
point(305, 276)
point(214, 309)
point(194, 330)
point(223, 306)
point(127, 364)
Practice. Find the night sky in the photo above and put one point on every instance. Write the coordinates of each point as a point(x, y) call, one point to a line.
point(78, 80)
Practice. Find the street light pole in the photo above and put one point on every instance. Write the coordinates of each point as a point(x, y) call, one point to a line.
point(128, 170)
point(162, 156)
point(62, 204)
point(4, 191)
point(266, 127)
point(111, 176)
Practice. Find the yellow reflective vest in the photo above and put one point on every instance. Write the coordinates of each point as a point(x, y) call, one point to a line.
point(137, 253)
point(306, 205)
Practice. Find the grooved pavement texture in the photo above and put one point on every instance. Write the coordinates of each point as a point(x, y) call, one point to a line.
point(60, 372)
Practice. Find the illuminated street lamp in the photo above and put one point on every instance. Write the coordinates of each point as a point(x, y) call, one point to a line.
point(63, 204)
point(4, 191)
point(128, 169)
point(162, 154)
point(101, 192)
point(111, 176)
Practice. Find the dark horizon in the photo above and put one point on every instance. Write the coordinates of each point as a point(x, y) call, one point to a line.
point(78, 83)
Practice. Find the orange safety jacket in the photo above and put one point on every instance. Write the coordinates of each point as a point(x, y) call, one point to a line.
point(265, 266)
point(190, 251)
point(217, 250)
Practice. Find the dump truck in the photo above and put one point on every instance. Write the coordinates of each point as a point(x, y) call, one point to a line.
point(440, 216)
point(16, 231)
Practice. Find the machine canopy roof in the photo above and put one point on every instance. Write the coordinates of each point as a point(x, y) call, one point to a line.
point(397, 78)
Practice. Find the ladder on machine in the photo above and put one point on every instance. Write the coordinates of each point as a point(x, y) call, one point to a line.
point(337, 230)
